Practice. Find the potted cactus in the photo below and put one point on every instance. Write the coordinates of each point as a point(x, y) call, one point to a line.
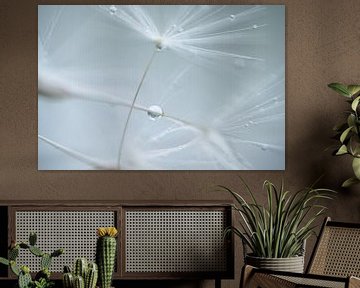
point(106, 254)
point(42, 278)
point(84, 275)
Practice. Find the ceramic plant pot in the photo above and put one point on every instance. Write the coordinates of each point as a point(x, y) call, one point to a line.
point(291, 264)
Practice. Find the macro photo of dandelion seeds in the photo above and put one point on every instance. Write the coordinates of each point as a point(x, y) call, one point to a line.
point(161, 87)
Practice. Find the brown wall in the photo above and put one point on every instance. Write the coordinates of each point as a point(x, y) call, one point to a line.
point(323, 46)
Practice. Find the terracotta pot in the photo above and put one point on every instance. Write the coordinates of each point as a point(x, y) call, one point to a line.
point(291, 264)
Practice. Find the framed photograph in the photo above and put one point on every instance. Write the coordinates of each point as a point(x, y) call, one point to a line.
point(161, 87)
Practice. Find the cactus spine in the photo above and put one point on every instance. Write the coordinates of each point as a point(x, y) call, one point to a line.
point(106, 254)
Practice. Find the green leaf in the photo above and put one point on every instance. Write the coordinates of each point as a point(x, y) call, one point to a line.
point(14, 268)
point(351, 120)
point(4, 261)
point(345, 134)
point(353, 89)
point(354, 145)
point(355, 103)
point(340, 88)
point(342, 150)
point(356, 167)
point(349, 182)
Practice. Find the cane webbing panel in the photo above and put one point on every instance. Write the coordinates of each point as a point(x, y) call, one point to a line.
point(75, 231)
point(175, 241)
point(304, 282)
point(263, 280)
point(338, 252)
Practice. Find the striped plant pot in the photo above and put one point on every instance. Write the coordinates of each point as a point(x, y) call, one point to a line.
point(291, 264)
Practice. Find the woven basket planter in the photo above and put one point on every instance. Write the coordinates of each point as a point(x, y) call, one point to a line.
point(291, 264)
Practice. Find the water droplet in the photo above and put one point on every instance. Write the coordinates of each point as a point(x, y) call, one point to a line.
point(264, 147)
point(180, 29)
point(155, 112)
point(246, 125)
point(112, 9)
point(159, 43)
point(232, 17)
point(255, 26)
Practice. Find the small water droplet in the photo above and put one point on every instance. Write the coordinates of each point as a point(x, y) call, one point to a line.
point(255, 26)
point(232, 17)
point(251, 122)
point(180, 29)
point(155, 112)
point(112, 9)
point(246, 125)
point(264, 147)
point(159, 43)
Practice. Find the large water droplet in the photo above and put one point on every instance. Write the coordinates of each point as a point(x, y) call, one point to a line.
point(264, 147)
point(232, 17)
point(155, 112)
point(112, 9)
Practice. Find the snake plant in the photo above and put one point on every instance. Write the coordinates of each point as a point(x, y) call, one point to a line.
point(279, 228)
point(348, 132)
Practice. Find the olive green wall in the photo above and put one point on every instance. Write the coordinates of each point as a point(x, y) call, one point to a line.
point(322, 46)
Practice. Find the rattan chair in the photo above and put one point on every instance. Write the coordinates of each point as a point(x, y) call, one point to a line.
point(334, 263)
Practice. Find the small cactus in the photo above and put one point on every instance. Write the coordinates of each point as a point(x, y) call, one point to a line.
point(91, 276)
point(13, 253)
point(45, 261)
point(68, 280)
point(106, 254)
point(44, 273)
point(36, 251)
point(32, 238)
point(79, 282)
point(80, 268)
point(24, 278)
point(88, 273)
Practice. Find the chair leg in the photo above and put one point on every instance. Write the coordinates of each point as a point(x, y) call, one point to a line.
point(217, 283)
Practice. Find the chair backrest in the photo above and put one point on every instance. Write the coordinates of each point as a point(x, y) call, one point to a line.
point(337, 251)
